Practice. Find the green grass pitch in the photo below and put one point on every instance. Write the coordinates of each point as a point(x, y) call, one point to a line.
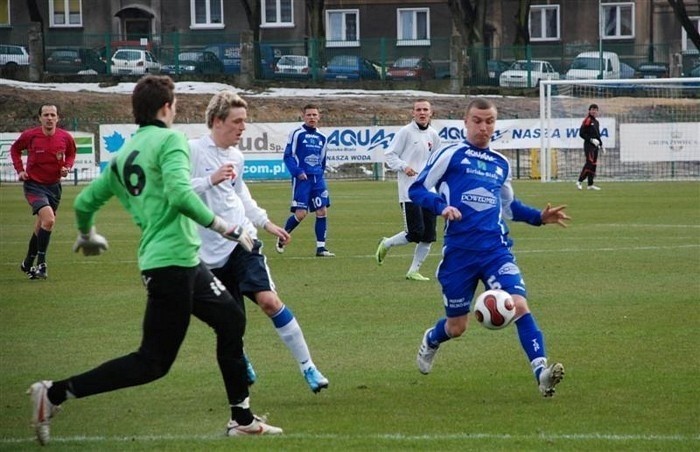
point(616, 294)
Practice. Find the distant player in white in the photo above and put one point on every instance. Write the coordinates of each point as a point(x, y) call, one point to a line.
point(407, 155)
point(217, 176)
point(475, 196)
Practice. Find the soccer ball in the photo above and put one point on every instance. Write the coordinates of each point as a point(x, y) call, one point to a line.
point(494, 309)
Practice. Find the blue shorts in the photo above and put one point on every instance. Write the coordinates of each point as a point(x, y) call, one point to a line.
point(42, 195)
point(310, 194)
point(460, 271)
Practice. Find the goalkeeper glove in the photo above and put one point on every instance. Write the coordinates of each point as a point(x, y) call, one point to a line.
point(596, 142)
point(602, 149)
point(92, 243)
point(235, 233)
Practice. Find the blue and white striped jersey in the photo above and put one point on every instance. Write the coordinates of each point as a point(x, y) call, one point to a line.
point(478, 183)
point(305, 151)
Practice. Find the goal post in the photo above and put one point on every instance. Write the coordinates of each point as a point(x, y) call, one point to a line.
point(650, 128)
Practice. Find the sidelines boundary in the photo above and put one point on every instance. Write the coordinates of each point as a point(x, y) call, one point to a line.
point(379, 437)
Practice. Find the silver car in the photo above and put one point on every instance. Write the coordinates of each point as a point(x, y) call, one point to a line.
point(134, 61)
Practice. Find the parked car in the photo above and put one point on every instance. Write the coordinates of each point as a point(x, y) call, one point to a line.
point(695, 72)
point(134, 61)
point(74, 60)
point(653, 70)
point(350, 67)
point(411, 68)
point(587, 66)
point(194, 62)
point(517, 74)
point(292, 66)
point(229, 55)
point(496, 68)
point(627, 71)
point(12, 56)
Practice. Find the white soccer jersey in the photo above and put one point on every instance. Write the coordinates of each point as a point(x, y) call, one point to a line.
point(411, 147)
point(231, 200)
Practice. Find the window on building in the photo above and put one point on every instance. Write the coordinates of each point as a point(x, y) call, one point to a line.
point(687, 44)
point(343, 28)
point(618, 20)
point(277, 13)
point(206, 14)
point(544, 23)
point(4, 13)
point(66, 13)
point(413, 26)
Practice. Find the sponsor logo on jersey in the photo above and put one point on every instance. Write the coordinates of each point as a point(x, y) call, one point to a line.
point(509, 269)
point(480, 155)
point(479, 199)
point(312, 160)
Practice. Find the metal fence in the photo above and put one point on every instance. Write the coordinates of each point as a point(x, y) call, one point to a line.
point(481, 66)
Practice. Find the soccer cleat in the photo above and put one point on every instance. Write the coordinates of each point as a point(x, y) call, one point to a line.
point(415, 276)
point(42, 410)
point(257, 427)
point(549, 378)
point(315, 379)
point(426, 354)
point(380, 254)
point(322, 252)
point(593, 187)
point(250, 371)
point(279, 246)
point(40, 272)
point(27, 270)
point(578, 185)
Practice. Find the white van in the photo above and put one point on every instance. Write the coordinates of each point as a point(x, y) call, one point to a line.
point(587, 65)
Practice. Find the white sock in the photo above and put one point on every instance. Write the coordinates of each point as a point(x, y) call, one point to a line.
point(419, 255)
point(396, 240)
point(293, 338)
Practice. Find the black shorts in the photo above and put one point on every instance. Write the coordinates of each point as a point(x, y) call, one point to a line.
point(42, 195)
point(246, 273)
point(419, 223)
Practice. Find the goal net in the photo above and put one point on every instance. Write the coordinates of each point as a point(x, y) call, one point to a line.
point(650, 128)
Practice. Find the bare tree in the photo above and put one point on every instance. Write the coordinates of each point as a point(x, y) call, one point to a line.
point(35, 41)
point(522, 23)
point(254, 17)
point(317, 34)
point(688, 25)
point(469, 18)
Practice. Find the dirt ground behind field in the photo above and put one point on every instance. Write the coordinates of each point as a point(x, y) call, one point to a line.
point(18, 108)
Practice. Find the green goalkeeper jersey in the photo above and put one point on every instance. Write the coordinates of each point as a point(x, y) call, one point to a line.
point(150, 175)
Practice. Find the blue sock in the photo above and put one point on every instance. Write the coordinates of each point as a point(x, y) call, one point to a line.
point(438, 334)
point(291, 223)
point(321, 227)
point(282, 317)
point(532, 342)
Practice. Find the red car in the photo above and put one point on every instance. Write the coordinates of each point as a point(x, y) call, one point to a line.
point(411, 68)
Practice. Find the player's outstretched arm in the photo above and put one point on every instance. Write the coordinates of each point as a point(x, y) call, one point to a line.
point(278, 232)
point(555, 215)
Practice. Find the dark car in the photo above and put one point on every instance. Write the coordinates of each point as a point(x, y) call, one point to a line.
point(229, 54)
point(350, 67)
point(71, 60)
point(194, 62)
point(411, 68)
point(496, 68)
point(653, 70)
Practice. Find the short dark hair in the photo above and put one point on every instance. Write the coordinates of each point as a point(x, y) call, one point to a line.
point(48, 105)
point(593, 106)
point(479, 103)
point(150, 94)
point(310, 107)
